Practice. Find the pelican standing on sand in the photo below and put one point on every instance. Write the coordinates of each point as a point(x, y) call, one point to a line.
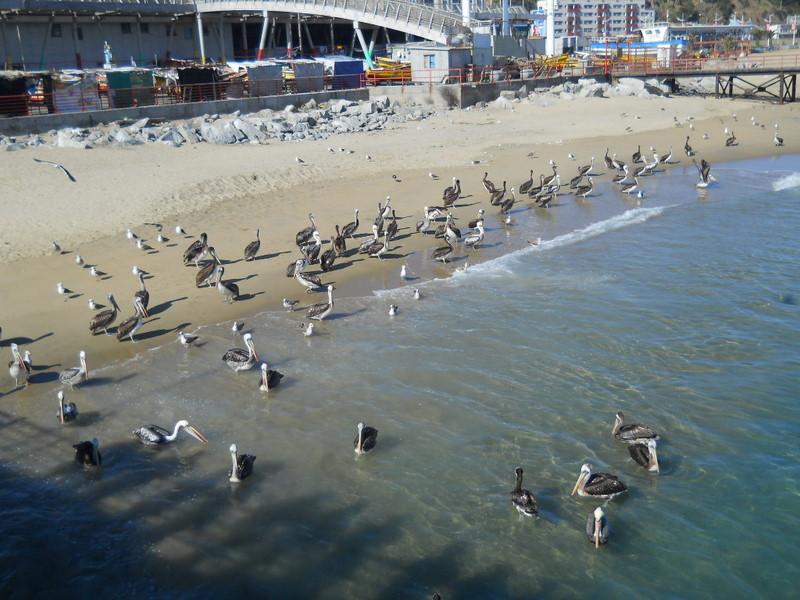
point(196, 250)
point(67, 411)
point(105, 318)
point(322, 309)
point(132, 324)
point(205, 273)
point(366, 439)
point(269, 378)
point(242, 465)
point(597, 528)
point(597, 485)
point(310, 282)
point(304, 235)
point(239, 359)
point(154, 435)
point(87, 454)
point(251, 249)
point(75, 375)
point(349, 229)
point(523, 500)
point(228, 289)
point(142, 295)
point(17, 367)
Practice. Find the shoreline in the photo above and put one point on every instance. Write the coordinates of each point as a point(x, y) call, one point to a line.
point(230, 207)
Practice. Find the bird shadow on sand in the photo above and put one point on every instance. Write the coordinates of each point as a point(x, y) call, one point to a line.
point(465, 205)
point(47, 377)
point(245, 278)
point(343, 265)
point(100, 381)
point(248, 296)
point(271, 255)
point(23, 340)
point(341, 315)
point(73, 295)
point(389, 256)
point(159, 308)
point(158, 332)
point(172, 245)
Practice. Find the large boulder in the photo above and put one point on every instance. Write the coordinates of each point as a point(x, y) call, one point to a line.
point(637, 85)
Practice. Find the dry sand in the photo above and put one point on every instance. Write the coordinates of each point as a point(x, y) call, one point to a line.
point(228, 191)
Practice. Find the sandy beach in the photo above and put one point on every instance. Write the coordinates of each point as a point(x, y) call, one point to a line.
point(229, 191)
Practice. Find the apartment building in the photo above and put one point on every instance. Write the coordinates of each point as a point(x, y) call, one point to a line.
point(591, 19)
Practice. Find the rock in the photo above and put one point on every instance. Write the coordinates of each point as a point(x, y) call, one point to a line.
point(188, 133)
point(502, 102)
point(289, 108)
point(339, 106)
point(383, 102)
point(587, 82)
point(250, 131)
point(368, 108)
point(566, 96)
point(14, 146)
point(522, 92)
point(123, 138)
point(556, 89)
point(171, 137)
point(596, 90)
point(656, 88)
point(310, 105)
point(137, 126)
point(68, 138)
point(220, 132)
point(635, 84)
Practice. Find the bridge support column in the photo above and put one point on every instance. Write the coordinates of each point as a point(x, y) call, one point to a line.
point(140, 58)
point(244, 38)
point(465, 13)
point(332, 48)
point(308, 37)
point(222, 37)
point(78, 61)
point(44, 41)
point(364, 48)
point(288, 39)
point(199, 18)
point(263, 39)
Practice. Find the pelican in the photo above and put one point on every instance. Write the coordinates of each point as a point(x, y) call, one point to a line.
point(554, 188)
point(474, 223)
point(497, 197)
point(308, 330)
point(544, 200)
point(17, 367)
point(393, 309)
point(730, 140)
point(103, 320)
point(637, 156)
point(242, 466)
point(204, 274)
point(269, 378)
point(687, 148)
point(631, 187)
point(228, 289)
point(75, 375)
point(322, 309)
point(448, 191)
point(618, 164)
point(310, 282)
point(367, 243)
point(454, 195)
point(424, 225)
point(329, 256)
point(304, 235)
point(575, 181)
point(290, 304)
point(632, 432)
point(143, 296)
point(598, 485)
point(132, 324)
point(475, 238)
point(366, 439)
point(777, 140)
point(523, 500)
point(665, 158)
point(239, 359)
point(87, 454)
point(535, 191)
point(585, 190)
point(609, 162)
point(443, 253)
point(154, 435)
point(186, 339)
point(378, 249)
point(67, 411)
point(508, 203)
point(311, 250)
point(526, 185)
point(387, 209)
point(488, 185)
point(417, 294)
point(339, 243)
point(391, 229)
point(643, 452)
point(196, 250)
point(597, 528)
point(452, 232)
point(704, 170)
point(349, 229)
point(586, 169)
point(251, 249)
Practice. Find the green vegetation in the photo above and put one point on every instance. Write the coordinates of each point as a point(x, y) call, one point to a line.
point(697, 10)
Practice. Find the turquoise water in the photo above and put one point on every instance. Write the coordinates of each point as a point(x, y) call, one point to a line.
point(683, 311)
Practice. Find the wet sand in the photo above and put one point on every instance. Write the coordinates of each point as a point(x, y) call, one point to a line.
point(230, 191)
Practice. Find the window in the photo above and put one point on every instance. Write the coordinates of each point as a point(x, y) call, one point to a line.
point(55, 30)
point(126, 27)
point(429, 61)
point(145, 27)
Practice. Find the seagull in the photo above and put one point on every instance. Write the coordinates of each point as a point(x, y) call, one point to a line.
point(179, 230)
point(186, 339)
point(130, 235)
point(308, 330)
point(571, 156)
point(331, 150)
point(289, 304)
point(136, 270)
point(237, 327)
point(57, 166)
point(142, 246)
point(368, 157)
point(161, 239)
point(777, 140)
point(92, 304)
point(56, 247)
point(299, 160)
point(62, 291)
point(404, 272)
point(79, 260)
point(433, 176)
point(393, 310)
point(93, 271)
point(417, 294)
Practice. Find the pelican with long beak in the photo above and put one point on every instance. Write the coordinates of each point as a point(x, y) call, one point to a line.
point(269, 378)
point(17, 367)
point(631, 433)
point(67, 411)
point(75, 375)
point(644, 453)
point(239, 359)
point(597, 485)
point(242, 465)
point(154, 435)
point(87, 454)
point(597, 528)
point(366, 439)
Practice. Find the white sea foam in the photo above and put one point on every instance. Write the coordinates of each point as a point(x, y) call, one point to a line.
point(787, 182)
point(504, 264)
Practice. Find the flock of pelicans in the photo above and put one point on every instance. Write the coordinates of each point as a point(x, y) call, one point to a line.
point(436, 220)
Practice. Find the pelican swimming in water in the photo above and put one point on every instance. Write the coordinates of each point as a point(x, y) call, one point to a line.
point(205, 274)
point(105, 318)
point(631, 432)
point(17, 367)
point(597, 485)
point(704, 170)
point(154, 435)
point(242, 465)
point(228, 289)
point(322, 309)
point(251, 249)
point(196, 250)
point(186, 339)
point(366, 438)
point(239, 359)
point(67, 411)
point(304, 235)
point(87, 454)
point(597, 528)
point(132, 324)
point(75, 375)
point(269, 378)
point(142, 295)
point(349, 229)
point(523, 500)
point(643, 452)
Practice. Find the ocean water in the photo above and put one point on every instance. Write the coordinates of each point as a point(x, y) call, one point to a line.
point(682, 310)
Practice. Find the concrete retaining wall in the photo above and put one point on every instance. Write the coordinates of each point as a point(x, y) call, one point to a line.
point(43, 123)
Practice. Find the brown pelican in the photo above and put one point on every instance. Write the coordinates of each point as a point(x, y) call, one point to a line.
point(665, 158)
point(251, 249)
point(304, 235)
point(598, 485)
point(142, 295)
point(132, 324)
point(632, 432)
point(444, 252)
point(544, 200)
point(644, 453)
point(328, 257)
point(526, 185)
point(535, 191)
point(508, 203)
point(630, 188)
point(367, 243)
point(196, 250)
point(387, 209)
point(310, 282)
point(622, 178)
point(475, 238)
point(687, 148)
point(575, 181)
point(228, 289)
point(777, 140)
point(453, 195)
point(608, 161)
point(730, 140)
point(704, 169)
point(204, 274)
point(154, 435)
point(393, 310)
point(339, 243)
point(17, 367)
point(378, 249)
point(586, 169)
point(585, 190)
point(293, 267)
point(322, 309)
point(103, 320)
point(366, 439)
point(523, 500)
point(474, 223)
point(637, 156)
point(75, 375)
point(311, 250)
point(242, 465)
point(597, 528)
point(67, 411)
point(239, 359)
point(488, 185)
point(550, 178)
point(391, 229)
point(497, 197)
point(269, 378)
point(186, 339)
point(349, 229)
point(87, 454)
point(425, 224)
